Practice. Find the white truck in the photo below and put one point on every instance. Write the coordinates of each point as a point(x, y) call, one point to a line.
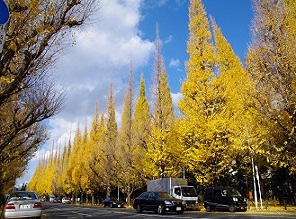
point(177, 187)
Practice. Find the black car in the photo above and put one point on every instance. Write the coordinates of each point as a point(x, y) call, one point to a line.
point(112, 202)
point(224, 198)
point(159, 202)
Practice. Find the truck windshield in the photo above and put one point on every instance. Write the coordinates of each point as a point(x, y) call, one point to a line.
point(189, 192)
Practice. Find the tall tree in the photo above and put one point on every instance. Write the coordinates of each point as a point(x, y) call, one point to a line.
point(238, 129)
point(163, 116)
point(290, 7)
point(109, 150)
point(36, 34)
point(64, 177)
point(142, 118)
point(85, 155)
point(73, 170)
point(162, 99)
point(141, 127)
point(37, 183)
point(97, 162)
point(126, 159)
point(201, 131)
point(95, 152)
point(271, 62)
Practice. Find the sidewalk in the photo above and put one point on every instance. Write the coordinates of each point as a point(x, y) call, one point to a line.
point(278, 210)
point(271, 209)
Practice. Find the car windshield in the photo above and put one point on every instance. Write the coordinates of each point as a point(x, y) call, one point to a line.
point(22, 196)
point(234, 192)
point(189, 192)
point(163, 195)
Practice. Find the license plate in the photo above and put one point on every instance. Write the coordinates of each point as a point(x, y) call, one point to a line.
point(24, 206)
point(178, 209)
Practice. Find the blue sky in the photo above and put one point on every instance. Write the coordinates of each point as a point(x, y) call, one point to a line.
point(124, 30)
point(232, 16)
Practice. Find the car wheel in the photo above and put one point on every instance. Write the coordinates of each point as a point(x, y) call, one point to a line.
point(160, 209)
point(104, 205)
point(139, 209)
point(208, 208)
point(231, 208)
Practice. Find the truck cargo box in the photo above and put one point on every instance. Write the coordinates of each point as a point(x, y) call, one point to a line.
point(165, 184)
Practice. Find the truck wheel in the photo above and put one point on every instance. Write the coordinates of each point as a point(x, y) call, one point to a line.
point(208, 208)
point(231, 208)
point(139, 209)
point(160, 209)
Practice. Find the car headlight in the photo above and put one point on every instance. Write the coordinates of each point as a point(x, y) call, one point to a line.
point(235, 199)
point(168, 202)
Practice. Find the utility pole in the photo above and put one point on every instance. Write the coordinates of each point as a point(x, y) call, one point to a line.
point(254, 182)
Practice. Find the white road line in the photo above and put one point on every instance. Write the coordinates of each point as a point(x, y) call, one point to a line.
point(83, 214)
point(153, 215)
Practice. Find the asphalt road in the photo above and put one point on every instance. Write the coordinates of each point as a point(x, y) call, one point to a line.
point(68, 211)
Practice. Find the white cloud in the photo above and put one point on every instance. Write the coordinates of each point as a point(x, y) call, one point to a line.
point(168, 40)
point(176, 97)
point(106, 47)
point(174, 63)
point(155, 3)
point(181, 2)
point(63, 129)
point(101, 54)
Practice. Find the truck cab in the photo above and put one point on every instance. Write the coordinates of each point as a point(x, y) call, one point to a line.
point(187, 194)
point(176, 187)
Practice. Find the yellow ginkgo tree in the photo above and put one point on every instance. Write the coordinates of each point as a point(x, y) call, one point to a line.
point(271, 62)
point(216, 100)
point(157, 160)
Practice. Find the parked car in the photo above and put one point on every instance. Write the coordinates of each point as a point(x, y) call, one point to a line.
point(159, 202)
point(22, 204)
point(224, 198)
point(66, 200)
point(57, 200)
point(112, 202)
point(52, 199)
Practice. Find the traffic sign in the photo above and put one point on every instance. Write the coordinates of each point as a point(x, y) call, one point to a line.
point(4, 12)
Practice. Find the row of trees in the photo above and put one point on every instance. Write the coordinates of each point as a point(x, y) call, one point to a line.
point(231, 114)
point(106, 156)
point(36, 34)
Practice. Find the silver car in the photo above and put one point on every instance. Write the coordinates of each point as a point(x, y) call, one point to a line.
point(65, 200)
point(22, 204)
